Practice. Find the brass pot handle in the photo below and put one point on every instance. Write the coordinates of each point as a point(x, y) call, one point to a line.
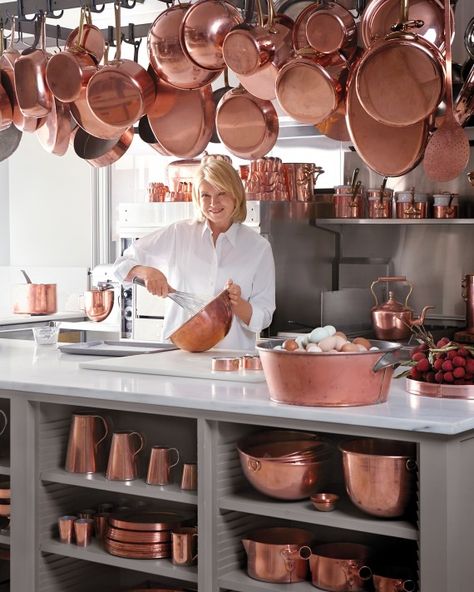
point(254, 464)
point(391, 278)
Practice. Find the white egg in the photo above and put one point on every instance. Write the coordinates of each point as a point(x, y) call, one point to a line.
point(361, 347)
point(340, 341)
point(318, 334)
point(312, 347)
point(277, 347)
point(327, 344)
point(373, 348)
point(302, 340)
point(330, 330)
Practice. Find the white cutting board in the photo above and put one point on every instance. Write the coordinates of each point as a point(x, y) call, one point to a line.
point(177, 363)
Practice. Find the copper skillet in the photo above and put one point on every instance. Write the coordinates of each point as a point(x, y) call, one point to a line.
point(99, 152)
point(6, 110)
point(401, 78)
point(55, 134)
point(167, 57)
point(7, 75)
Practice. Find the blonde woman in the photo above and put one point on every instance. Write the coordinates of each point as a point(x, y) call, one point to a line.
point(205, 255)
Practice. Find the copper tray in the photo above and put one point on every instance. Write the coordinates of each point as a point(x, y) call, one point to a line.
point(150, 521)
point(138, 536)
point(138, 551)
point(439, 391)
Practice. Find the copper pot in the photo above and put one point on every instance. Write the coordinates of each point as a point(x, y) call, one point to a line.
point(273, 554)
point(392, 319)
point(207, 327)
point(34, 299)
point(98, 304)
point(380, 475)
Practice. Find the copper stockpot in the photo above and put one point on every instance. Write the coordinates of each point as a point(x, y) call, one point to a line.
point(98, 304)
point(340, 567)
point(380, 475)
point(207, 327)
point(328, 379)
point(301, 179)
point(83, 443)
point(273, 554)
point(34, 299)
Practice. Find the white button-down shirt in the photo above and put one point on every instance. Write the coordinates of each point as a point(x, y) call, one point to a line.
point(186, 254)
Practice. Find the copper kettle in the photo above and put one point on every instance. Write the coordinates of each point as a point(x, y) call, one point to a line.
point(392, 320)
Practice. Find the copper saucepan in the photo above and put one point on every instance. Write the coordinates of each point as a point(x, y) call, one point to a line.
point(99, 152)
point(55, 134)
point(34, 299)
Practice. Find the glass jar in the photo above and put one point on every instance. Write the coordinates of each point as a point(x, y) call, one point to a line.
point(411, 205)
point(379, 206)
point(347, 205)
point(445, 205)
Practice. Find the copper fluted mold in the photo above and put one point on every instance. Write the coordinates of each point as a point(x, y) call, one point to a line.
point(206, 328)
point(85, 435)
point(327, 379)
point(380, 475)
point(98, 304)
point(273, 554)
point(35, 299)
point(122, 463)
point(340, 567)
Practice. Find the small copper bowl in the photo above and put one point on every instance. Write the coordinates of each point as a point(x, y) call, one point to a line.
point(324, 502)
point(249, 362)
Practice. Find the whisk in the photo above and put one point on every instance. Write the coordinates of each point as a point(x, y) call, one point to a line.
point(190, 302)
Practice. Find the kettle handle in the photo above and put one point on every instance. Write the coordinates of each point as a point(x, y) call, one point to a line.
point(391, 278)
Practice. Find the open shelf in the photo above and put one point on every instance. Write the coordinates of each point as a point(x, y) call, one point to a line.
point(95, 553)
point(346, 516)
point(4, 538)
point(170, 492)
point(392, 221)
point(238, 581)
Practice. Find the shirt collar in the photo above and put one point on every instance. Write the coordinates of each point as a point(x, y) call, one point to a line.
point(230, 234)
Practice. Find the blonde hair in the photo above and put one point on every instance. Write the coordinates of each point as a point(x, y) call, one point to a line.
point(222, 175)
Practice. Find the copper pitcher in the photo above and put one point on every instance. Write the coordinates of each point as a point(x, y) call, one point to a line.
point(81, 456)
point(122, 465)
point(393, 320)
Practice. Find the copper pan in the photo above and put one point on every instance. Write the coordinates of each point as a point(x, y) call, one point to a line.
point(203, 29)
point(146, 135)
point(137, 536)
point(389, 151)
point(400, 80)
point(380, 15)
point(33, 94)
point(99, 152)
point(246, 125)
point(310, 87)
point(6, 111)
point(54, 135)
point(9, 141)
point(335, 126)
point(92, 39)
point(122, 91)
point(184, 129)
point(147, 521)
point(138, 550)
point(69, 70)
point(167, 57)
point(464, 105)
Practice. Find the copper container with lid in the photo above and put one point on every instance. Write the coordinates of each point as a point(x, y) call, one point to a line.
point(348, 202)
point(379, 203)
point(411, 205)
point(445, 205)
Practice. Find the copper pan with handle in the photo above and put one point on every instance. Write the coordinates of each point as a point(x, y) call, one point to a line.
point(33, 94)
point(246, 125)
point(120, 93)
point(167, 57)
point(9, 141)
point(55, 134)
point(6, 110)
point(401, 79)
point(92, 41)
point(99, 152)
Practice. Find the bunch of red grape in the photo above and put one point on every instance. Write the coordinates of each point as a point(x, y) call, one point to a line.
point(447, 363)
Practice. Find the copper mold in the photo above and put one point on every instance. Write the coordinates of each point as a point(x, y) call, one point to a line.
point(146, 521)
point(225, 364)
point(250, 362)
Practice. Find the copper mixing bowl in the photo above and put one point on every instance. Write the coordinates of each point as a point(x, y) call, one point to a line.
point(98, 304)
point(207, 327)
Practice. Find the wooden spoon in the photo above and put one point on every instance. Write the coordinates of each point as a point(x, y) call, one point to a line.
point(447, 152)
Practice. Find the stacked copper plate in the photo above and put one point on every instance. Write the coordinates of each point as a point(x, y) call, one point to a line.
point(141, 535)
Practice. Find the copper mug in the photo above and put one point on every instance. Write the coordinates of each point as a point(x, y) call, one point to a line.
point(189, 476)
point(160, 465)
point(81, 456)
point(122, 465)
point(184, 546)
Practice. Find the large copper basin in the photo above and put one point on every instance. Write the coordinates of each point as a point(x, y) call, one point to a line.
point(207, 327)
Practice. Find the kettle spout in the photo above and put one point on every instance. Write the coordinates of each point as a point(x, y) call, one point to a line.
point(421, 319)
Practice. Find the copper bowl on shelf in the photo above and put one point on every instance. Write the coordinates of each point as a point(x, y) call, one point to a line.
point(98, 304)
point(207, 327)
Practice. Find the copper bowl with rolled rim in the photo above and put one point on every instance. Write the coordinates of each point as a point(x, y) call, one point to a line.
point(98, 304)
point(380, 475)
point(207, 327)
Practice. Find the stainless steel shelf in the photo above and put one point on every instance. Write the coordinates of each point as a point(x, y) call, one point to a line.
point(393, 221)
point(238, 581)
point(95, 553)
point(170, 492)
point(347, 516)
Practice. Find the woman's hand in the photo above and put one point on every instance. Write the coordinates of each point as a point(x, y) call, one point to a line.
point(240, 307)
point(155, 281)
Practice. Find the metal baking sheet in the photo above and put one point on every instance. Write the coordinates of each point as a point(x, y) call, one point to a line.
point(115, 348)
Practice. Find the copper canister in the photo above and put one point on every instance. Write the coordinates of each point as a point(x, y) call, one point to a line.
point(347, 205)
point(445, 205)
point(379, 204)
point(411, 205)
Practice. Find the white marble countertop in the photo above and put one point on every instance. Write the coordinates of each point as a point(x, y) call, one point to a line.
point(26, 319)
point(25, 366)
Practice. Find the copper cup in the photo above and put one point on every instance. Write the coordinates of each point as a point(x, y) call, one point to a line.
point(122, 465)
point(83, 529)
point(189, 476)
point(66, 528)
point(100, 524)
point(81, 456)
point(160, 465)
point(184, 546)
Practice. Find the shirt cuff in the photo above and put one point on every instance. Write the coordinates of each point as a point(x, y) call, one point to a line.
point(123, 268)
point(256, 320)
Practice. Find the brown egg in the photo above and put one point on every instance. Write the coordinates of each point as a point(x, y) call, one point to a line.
point(328, 343)
point(340, 341)
point(290, 345)
point(349, 348)
point(341, 334)
point(362, 341)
